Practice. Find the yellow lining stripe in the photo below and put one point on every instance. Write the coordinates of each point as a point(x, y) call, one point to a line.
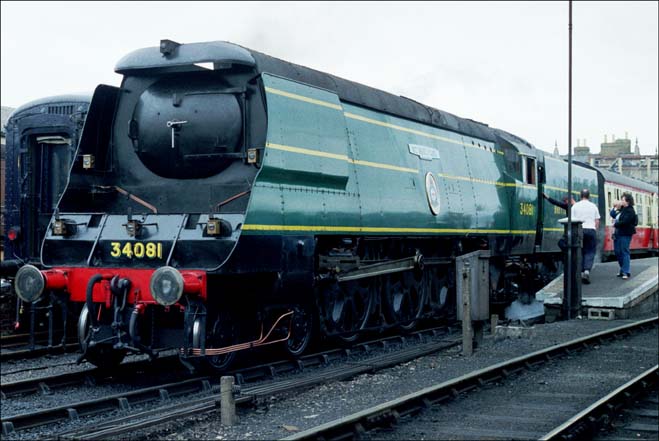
point(319, 153)
point(484, 181)
point(564, 190)
point(560, 230)
point(391, 126)
point(401, 128)
point(322, 154)
point(372, 121)
point(345, 229)
point(303, 98)
point(415, 132)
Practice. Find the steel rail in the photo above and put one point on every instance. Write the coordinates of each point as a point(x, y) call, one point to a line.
point(22, 339)
point(90, 376)
point(251, 395)
point(121, 401)
point(21, 370)
point(584, 424)
point(387, 414)
point(162, 392)
point(21, 354)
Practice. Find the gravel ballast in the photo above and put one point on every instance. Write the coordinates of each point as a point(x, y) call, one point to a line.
point(279, 417)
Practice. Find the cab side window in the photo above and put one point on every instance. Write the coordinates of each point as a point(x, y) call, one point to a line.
point(528, 170)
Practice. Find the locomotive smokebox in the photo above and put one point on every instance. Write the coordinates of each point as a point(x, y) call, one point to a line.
point(188, 129)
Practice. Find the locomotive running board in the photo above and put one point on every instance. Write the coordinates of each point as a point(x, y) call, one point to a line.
point(389, 267)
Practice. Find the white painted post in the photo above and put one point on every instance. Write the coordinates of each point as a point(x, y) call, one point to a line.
point(495, 322)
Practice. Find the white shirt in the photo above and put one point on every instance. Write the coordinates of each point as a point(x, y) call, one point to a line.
point(585, 211)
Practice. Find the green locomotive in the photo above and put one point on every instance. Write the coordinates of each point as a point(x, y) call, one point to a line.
point(279, 200)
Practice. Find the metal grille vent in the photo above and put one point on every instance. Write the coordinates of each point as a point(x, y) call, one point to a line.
point(60, 110)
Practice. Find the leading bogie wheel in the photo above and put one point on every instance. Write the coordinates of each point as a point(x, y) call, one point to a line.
point(103, 356)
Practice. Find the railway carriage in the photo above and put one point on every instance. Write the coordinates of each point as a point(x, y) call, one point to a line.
point(42, 137)
point(222, 199)
point(646, 205)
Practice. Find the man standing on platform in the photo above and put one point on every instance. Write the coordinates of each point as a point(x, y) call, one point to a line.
point(587, 212)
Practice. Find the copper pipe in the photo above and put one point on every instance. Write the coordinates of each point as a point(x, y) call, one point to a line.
point(261, 341)
point(136, 199)
point(232, 198)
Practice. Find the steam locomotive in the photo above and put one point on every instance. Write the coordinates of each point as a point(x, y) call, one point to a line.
point(222, 199)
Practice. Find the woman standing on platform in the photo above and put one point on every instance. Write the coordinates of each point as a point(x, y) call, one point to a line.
point(624, 230)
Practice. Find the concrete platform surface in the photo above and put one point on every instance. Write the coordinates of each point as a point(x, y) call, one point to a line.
point(608, 291)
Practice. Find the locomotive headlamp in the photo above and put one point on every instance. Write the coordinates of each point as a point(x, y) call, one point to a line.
point(29, 283)
point(88, 162)
point(64, 227)
point(166, 285)
point(213, 227)
point(59, 228)
point(133, 228)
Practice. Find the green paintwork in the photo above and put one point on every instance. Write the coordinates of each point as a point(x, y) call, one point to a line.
point(556, 171)
point(352, 190)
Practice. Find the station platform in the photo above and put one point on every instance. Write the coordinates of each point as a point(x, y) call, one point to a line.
point(610, 297)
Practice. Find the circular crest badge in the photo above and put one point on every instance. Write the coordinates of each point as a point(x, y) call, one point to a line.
point(432, 192)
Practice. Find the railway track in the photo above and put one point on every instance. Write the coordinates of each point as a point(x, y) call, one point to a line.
point(19, 346)
point(8, 341)
point(37, 351)
point(462, 423)
point(162, 394)
point(91, 376)
point(50, 383)
point(635, 403)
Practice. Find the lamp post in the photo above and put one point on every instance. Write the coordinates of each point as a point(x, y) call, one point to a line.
point(568, 269)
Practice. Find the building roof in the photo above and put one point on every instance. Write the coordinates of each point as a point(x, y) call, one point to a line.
point(44, 101)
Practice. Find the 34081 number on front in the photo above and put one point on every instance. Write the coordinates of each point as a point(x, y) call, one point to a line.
point(138, 250)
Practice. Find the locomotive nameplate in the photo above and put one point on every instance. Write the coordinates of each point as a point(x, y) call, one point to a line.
point(423, 152)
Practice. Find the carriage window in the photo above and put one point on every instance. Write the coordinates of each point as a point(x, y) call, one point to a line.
point(608, 200)
point(529, 170)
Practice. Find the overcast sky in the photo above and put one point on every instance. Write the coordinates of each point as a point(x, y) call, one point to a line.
point(505, 64)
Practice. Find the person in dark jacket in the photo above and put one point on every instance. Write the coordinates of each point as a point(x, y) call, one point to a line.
point(624, 230)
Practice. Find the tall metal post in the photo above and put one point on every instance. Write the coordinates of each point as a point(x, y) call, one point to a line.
point(568, 270)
